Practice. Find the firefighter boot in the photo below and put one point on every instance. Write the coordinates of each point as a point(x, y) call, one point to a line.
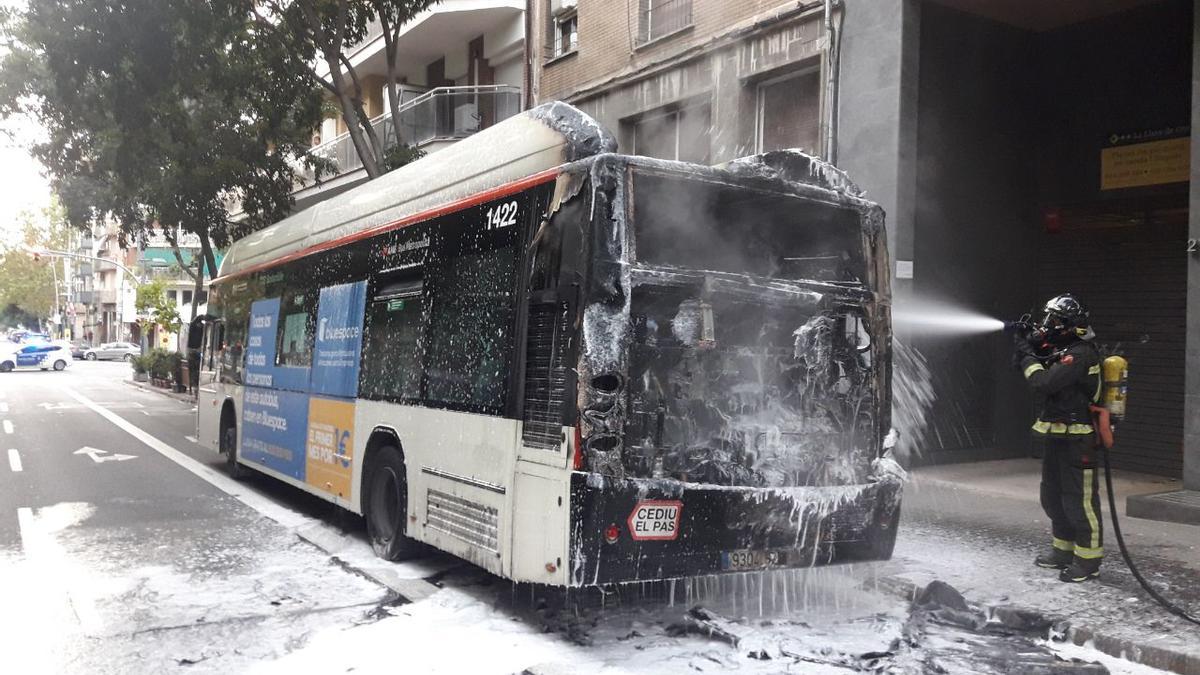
point(1080, 569)
point(1055, 559)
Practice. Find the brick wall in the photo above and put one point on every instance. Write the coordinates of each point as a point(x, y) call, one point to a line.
point(608, 39)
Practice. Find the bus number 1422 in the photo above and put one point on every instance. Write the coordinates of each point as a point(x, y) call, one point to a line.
point(503, 215)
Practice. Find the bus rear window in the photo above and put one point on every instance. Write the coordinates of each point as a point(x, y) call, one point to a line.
point(700, 225)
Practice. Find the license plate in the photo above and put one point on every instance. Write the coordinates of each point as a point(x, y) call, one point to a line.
point(751, 560)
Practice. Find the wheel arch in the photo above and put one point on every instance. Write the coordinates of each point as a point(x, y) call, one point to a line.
point(380, 436)
point(228, 416)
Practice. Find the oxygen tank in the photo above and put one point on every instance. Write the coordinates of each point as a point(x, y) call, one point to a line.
point(1115, 375)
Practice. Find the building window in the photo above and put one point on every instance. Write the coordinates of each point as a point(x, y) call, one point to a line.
point(566, 33)
point(187, 297)
point(789, 112)
point(171, 297)
point(657, 18)
point(680, 133)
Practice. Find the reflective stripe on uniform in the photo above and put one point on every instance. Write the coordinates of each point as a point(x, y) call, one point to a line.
point(1095, 370)
point(1093, 521)
point(1062, 544)
point(1033, 368)
point(1089, 553)
point(1061, 428)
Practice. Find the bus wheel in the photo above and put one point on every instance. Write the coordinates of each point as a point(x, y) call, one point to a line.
point(385, 506)
point(229, 447)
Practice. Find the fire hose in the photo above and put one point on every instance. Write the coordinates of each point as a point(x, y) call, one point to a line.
point(1115, 372)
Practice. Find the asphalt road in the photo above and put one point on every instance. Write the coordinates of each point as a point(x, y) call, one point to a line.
point(114, 558)
point(124, 547)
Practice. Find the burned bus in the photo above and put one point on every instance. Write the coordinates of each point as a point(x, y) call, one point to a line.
point(570, 366)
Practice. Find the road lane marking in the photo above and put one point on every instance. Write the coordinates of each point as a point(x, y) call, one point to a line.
point(3, 407)
point(8, 428)
point(14, 460)
point(99, 456)
point(280, 514)
point(191, 439)
point(53, 567)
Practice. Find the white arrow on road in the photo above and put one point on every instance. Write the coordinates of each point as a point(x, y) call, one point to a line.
point(102, 455)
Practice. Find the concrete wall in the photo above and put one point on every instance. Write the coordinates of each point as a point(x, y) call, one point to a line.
point(877, 99)
point(1191, 415)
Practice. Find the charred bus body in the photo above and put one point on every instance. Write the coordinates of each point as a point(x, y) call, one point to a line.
point(733, 367)
point(569, 366)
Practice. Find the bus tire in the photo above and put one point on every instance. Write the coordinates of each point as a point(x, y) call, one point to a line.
point(385, 506)
point(237, 471)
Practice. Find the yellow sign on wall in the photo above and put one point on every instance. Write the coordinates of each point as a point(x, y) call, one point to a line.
point(329, 449)
point(1142, 164)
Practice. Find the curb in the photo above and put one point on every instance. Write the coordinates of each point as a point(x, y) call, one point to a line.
point(186, 398)
point(1147, 655)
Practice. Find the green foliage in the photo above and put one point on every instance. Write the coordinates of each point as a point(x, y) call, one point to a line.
point(154, 308)
point(399, 155)
point(141, 363)
point(160, 363)
point(26, 281)
point(162, 111)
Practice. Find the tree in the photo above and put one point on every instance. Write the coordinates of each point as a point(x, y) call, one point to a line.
point(325, 29)
point(165, 112)
point(154, 308)
point(27, 281)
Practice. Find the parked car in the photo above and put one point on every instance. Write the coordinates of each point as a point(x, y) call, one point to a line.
point(35, 356)
point(110, 351)
point(79, 349)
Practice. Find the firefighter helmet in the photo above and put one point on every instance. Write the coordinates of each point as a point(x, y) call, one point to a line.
point(1065, 316)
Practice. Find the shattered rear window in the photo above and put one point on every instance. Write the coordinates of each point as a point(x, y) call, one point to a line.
point(697, 224)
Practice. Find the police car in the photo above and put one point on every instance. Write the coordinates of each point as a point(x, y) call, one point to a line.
point(41, 356)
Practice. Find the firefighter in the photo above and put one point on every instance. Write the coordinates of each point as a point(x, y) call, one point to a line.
point(1062, 366)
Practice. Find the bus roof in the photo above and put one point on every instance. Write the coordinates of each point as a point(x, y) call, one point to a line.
point(528, 144)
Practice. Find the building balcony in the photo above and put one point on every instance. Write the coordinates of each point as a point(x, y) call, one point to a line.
point(105, 296)
point(438, 115)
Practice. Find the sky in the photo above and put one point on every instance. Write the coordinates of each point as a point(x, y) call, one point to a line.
point(22, 185)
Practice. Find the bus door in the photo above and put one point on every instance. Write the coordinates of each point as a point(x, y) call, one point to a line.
point(206, 336)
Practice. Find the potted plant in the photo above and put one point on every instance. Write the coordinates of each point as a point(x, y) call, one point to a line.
point(139, 368)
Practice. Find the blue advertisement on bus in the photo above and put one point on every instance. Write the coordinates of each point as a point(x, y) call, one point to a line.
point(338, 339)
point(304, 433)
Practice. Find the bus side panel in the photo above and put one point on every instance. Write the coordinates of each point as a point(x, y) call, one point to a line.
point(460, 468)
point(208, 416)
point(540, 524)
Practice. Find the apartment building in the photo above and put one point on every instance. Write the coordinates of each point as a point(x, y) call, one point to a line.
point(462, 70)
point(696, 80)
point(114, 292)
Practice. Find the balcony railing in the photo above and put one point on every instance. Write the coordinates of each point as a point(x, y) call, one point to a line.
point(444, 113)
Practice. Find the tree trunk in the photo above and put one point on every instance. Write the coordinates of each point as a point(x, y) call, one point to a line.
point(209, 258)
point(350, 115)
point(197, 289)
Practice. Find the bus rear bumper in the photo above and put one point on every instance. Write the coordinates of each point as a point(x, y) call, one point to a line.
point(630, 529)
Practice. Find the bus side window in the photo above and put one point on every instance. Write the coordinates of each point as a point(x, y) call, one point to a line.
point(469, 354)
point(392, 348)
point(294, 339)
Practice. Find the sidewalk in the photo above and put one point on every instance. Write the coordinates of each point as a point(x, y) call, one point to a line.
point(978, 526)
